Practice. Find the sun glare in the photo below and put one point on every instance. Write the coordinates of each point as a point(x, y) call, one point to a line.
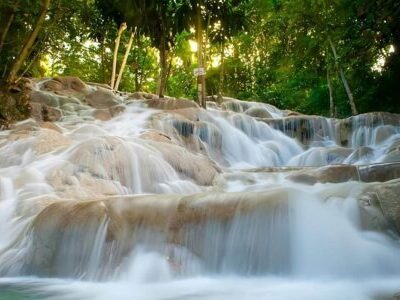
point(193, 45)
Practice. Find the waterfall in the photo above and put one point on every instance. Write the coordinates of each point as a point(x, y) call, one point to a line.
point(160, 199)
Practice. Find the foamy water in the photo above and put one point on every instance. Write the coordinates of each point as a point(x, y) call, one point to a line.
point(207, 223)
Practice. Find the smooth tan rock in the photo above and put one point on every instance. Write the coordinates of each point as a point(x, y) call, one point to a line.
point(117, 110)
point(331, 174)
point(102, 114)
point(195, 166)
point(258, 112)
point(25, 126)
point(379, 172)
point(51, 125)
point(43, 112)
point(384, 132)
point(102, 98)
point(71, 228)
point(156, 136)
point(382, 199)
point(48, 140)
point(170, 104)
point(343, 173)
point(67, 83)
point(142, 96)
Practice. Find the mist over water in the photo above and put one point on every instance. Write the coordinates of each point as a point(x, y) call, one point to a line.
point(180, 204)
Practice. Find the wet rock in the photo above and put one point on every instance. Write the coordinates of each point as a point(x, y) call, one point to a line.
point(195, 166)
point(183, 127)
point(102, 114)
point(66, 234)
point(258, 112)
point(102, 98)
point(331, 174)
point(392, 154)
point(191, 114)
point(51, 125)
point(155, 135)
point(346, 127)
point(117, 110)
point(321, 156)
point(384, 132)
point(43, 112)
point(65, 84)
point(212, 105)
point(23, 126)
point(379, 172)
point(234, 104)
point(362, 153)
point(306, 129)
point(343, 173)
point(48, 140)
point(51, 114)
point(381, 199)
point(46, 98)
point(170, 103)
point(142, 96)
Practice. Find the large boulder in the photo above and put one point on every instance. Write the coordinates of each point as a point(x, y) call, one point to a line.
point(380, 205)
point(258, 112)
point(65, 85)
point(71, 238)
point(102, 98)
point(195, 166)
point(43, 112)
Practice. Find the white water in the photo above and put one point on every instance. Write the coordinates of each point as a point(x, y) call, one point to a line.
point(283, 241)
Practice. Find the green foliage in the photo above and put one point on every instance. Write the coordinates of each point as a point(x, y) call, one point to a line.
point(275, 51)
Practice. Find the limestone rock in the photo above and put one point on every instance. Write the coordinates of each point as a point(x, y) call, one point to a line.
point(306, 129)
point(379, 172)
point(102, 114)
point(332, 174)
point(102, 98)
point(51, 125)
point(170, 103)
point(382, 199)
point(156, 136)
point(49, 140)
point(196, 166)
point(24, 126)
point(65, 84)
point(343, 173)
point(258, 112)
point(67, 233)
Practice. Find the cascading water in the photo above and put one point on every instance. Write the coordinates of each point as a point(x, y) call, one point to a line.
point(182, 203)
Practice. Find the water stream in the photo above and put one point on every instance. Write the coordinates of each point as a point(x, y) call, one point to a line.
point(156, 204)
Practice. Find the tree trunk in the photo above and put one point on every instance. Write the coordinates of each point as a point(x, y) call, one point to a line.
point(103, 59)
point(27, 47)
point(6, 28)
point(332, 107)
point(221, 72)
point(121, 29)
point(344, 80)
point(169, 69)
point(138, 64)
point(201, 78)
point(163, 69)
point(128, 50)
point(349, 93)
